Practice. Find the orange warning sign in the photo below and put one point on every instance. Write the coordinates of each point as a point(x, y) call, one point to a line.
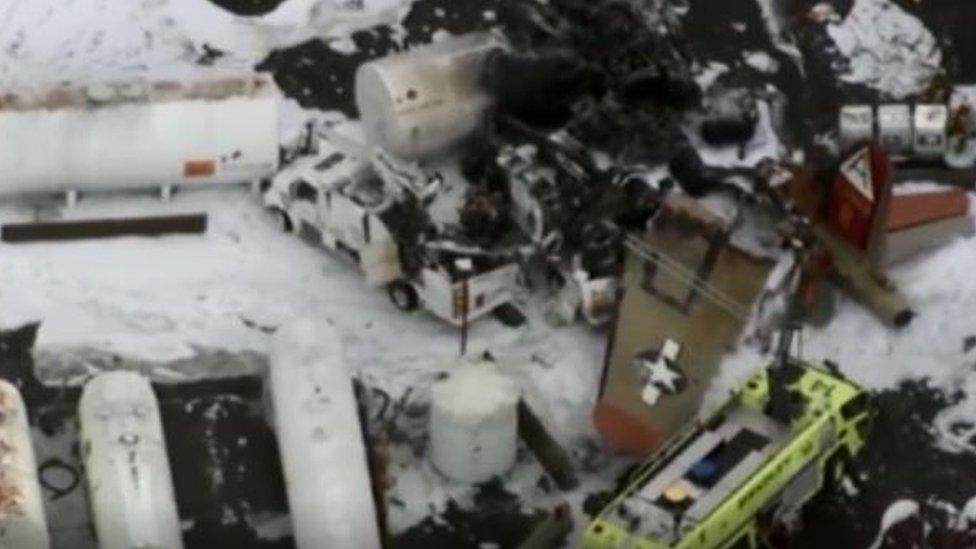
point(199, 167)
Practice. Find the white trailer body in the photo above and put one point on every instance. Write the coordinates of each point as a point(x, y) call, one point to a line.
point(138, 135)
point(22, 522)
point(420, 103)
point(320, 437)
point(130, 486)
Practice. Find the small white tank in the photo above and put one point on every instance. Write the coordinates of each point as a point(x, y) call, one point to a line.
point(130, 486)
point(138, 135)
point(420, 103)
point(320, 438)
point(856, 125)
point(474, 423)
point(22, 522)
point(895, 128)
point(931, 122)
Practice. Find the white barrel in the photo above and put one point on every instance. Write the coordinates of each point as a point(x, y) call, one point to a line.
point(931, 123)
point(22, 522)
point(130, 485)
point(474, 423)
point(420, 103)
point(138, 134)
point(320, 438)
point(895, 128)
point(856, 125)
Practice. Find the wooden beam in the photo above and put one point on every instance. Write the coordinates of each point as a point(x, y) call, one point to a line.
point(104, 228)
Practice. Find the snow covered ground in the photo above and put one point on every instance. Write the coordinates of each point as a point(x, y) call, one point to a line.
point(179, 297)
point(42, 40)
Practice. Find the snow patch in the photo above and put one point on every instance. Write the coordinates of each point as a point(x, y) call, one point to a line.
point(897, 512)
point(888, 49)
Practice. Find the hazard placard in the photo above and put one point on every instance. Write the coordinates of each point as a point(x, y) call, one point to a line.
point(857, 171)
point(858, 191)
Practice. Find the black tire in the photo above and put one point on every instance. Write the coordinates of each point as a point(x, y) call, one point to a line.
point(403, 295)
point(282, 219)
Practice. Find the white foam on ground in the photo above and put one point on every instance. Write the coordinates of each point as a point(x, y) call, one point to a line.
point(889, 49)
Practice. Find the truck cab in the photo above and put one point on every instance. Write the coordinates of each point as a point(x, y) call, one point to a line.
point(369, 207)
point(337, 201)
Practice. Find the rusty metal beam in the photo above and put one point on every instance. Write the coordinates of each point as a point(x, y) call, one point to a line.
point(104, 228)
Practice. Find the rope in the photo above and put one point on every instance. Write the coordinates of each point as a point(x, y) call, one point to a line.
point(677, 270)
point(58, 492)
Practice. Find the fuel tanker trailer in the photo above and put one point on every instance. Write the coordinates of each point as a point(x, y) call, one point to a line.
point(22, 523)
point(138, 134)
point(130, 486)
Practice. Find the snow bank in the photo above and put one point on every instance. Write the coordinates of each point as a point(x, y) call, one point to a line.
point(888, 49)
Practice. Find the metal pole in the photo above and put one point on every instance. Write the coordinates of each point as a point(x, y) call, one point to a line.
point(464, 316)
point(464, 267)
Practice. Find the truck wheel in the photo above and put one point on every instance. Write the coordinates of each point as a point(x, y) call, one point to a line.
point(282, 219)
point(403, 295)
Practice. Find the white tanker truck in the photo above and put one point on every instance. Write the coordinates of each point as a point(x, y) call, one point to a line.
point(138, 134)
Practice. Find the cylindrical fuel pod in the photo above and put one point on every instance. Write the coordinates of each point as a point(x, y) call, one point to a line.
point(130, 486)
point(22, 522)
point(419, 103)
point(474, 423)
point(320, 438)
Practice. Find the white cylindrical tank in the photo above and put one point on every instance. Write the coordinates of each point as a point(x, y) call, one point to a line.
point(856, 125)
point(22, 522)
point(138, 134)
point(474, 423)
point(420, 103)
point(130, 486)
point(895, 128)
point(320, 438)
point(931, 122)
